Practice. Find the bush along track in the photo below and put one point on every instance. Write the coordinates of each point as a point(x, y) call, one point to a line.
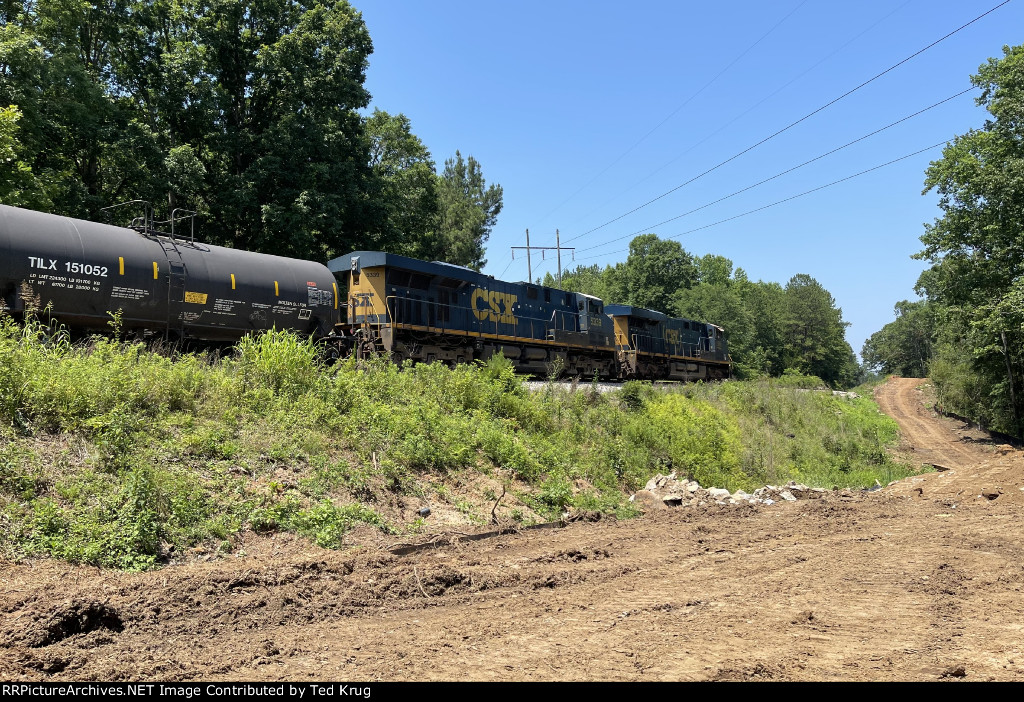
point(116, 456)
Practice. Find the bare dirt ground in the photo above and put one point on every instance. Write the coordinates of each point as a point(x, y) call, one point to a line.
point(919, 581)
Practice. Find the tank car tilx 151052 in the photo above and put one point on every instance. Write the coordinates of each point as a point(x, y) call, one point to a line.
point(83, 271)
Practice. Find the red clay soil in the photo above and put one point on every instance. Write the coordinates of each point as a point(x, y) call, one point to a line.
point(918, 581)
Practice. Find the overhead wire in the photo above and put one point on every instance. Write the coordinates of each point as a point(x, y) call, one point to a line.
point(782, 173)
point(788, 199)
point(760, 102)
point(794, 123)
point(674, 112)
point(735, 119)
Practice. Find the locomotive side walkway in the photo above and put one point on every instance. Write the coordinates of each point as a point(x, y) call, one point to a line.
point(919, 581)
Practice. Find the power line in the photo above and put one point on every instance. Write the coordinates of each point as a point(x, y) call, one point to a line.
point(511, 261)
point(742, 114)
point(788, 199)
point(792, 124)
point(760, 102)
point(782, 173)
point(674, 112)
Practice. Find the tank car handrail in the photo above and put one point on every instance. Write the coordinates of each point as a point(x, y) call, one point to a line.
point(187, 214)
point(149, 218)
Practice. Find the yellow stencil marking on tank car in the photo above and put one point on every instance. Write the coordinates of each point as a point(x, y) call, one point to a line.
point(197, 298)
point(493, 305)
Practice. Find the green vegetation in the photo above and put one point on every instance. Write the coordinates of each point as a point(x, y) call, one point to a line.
point(790, 430)
point(247, 113)
point(967, 333)
point(119, 457)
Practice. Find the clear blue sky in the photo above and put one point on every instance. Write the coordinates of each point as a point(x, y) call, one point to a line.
point(583, 111)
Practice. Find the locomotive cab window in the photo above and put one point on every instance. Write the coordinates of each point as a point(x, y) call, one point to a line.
point(531, 293)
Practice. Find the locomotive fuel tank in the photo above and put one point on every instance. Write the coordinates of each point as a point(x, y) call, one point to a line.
point(84, 271)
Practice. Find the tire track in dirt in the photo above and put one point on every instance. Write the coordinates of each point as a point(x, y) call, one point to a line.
point(929, 439)
point(915, 582)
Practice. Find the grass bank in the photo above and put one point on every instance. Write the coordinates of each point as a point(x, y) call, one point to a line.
point(119, 457)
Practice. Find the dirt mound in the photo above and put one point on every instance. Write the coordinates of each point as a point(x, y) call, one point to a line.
point(43, 627)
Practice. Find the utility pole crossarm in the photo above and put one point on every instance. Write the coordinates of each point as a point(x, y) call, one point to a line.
point(558, 247)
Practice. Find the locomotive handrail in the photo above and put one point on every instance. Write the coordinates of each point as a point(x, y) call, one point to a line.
point(409, 311)
point(470, 323)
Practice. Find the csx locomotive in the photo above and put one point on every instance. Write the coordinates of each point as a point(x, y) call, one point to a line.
point(362, 303)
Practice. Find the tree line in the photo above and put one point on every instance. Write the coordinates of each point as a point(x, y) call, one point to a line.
point(771, 328)
point(247, 113)
point(253, 116)
point(967, 330)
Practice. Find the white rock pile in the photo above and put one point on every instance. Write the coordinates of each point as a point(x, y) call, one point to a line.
point(669, 491)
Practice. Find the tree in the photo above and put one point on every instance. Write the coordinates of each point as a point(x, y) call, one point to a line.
point(246, 112)
point(815, 340)
point(721, 303)
point(713, 270)
point(18, 185)
point(406, 185)
point(904, 346)
point(975, 246)
point(606, 283)
point(268, 102)
point(655, 270)
point(69, 67)
point(468, 212)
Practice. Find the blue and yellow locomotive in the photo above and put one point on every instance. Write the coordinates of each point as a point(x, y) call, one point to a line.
point(411, 309)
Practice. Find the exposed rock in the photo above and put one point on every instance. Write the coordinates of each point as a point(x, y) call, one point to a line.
point(787, 496)
point(672, 500)
point(719, 494)
point(991, 493)
point(645, 499)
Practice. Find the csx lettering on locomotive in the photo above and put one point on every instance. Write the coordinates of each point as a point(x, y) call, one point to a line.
point(494, 306)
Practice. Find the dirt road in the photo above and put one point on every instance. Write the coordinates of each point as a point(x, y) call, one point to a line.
point(920, 581)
